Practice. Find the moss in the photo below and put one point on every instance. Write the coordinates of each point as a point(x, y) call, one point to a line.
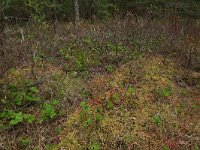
point(132, 127)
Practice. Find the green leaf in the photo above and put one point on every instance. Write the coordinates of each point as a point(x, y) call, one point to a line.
point(157, 120)
point(111, 46)
point(29, 117)
point(109, 68)
point(52, 114)
point(25, 142)
point(166, 148)
point(116, 96)
point(58, 130)
point(196, 147)
point(88, 122)
point(98, 109)
point(17, 118)
point(84, 105)
point(109, 104)
point(32, 98)
point(7, 114)
point(95, 146)
point(131, 90)
point(48, 111)
point(55, 102)
point(34, 89)
point(166, 92)
point(98, 117)
point(19, 98)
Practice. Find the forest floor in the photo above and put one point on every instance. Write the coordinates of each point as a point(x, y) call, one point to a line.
point(148, 103)
point(116, 85)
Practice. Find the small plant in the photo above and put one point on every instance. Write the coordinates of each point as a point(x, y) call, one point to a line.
point(109, 68)
point(98, 117)
point(195, 106)
point(16, 117)
point(29, 117)
point(165, 92)
point(111, 46)
point(87, 40)
point(80, 65)
point(25, 142)
point(94, 146)
point(85, 114)
point(58, 130)
point(22, 95)
point(35, 148)
point(109, 104)
point(86, 110)
point(55, 102)
point(196, 147)
point(85, 107)
point(131, 91)
point(166, 148)
point(116, 96)
point(117, 48)
point(121, 48)
point(80, 61)
point(48, 111)
point(89, 116)
point(88, 122)
point(65, 54)
point(157, 120)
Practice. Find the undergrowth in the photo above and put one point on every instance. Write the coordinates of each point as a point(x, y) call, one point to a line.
point(117, 85)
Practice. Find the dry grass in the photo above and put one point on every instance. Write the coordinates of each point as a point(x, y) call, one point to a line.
point(129, 124)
